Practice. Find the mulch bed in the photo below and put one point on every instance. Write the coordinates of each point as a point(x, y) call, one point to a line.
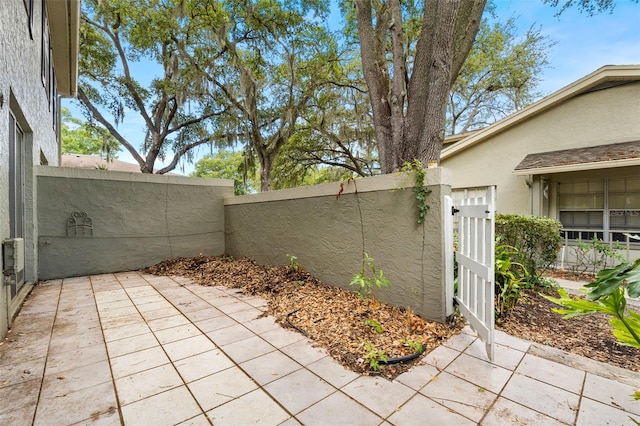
point(336, 319)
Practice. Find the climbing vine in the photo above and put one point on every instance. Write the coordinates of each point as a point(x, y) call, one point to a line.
point(419, 189)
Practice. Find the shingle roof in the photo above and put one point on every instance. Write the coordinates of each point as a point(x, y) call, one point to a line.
point(580, 156)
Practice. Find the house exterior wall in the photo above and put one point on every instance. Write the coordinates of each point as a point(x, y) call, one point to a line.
point(596, 118)
point(23, 94)
point(330, 234)
point(137, 220)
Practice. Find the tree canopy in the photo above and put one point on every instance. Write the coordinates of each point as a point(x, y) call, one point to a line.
point(79, 137)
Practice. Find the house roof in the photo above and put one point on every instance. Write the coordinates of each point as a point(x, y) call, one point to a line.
point(604, 77)
point(594, 157)
point(93, 162)
point(64, 27)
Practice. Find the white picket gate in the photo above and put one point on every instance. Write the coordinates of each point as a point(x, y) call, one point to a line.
point(476, 257)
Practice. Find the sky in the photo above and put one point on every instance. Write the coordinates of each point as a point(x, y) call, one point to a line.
point(583, 44)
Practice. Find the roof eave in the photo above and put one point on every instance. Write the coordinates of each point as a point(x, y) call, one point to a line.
point(578, 167)
point(64, 27)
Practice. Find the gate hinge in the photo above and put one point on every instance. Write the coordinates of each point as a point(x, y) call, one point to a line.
point(454, 210)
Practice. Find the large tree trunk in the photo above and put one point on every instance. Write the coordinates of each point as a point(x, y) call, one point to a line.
point(414, 128)
point(266, 163)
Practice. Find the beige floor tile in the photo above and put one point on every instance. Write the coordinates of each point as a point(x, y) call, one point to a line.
point(554, 402)
point(418, 376)
point(201, 365)
point(18, 415)
point(299, 390)
point(247, 349)
point(332, 371)
point(78, 358)
point(105, 297)
point(130, 319)
point(262, 325)
point(105, 308)
point(338, 409)
point(246, 315)
point(460, 342)
point(203, 314)
point(219, 388)
point(611, 393)
point(480, 373)
point(73, 407)
point(174, 334)
point(594, 413)
point(124, 331)
point(553, 373)
point(505, 412)
point(75, 379)
point(303, 352)
point(154, 297)
point(236, 306)
point(512, 342)
point(421, 410)
point(166, 408)
point(188, 347)
point(270, 367)
point(131, 344)
point(147, 383)
point(11, 374)
point(118, 313)
point(22, 348)
point(216, 323)
point(503, 357)
point(168, 322)
point(234, 333)
point(160, 313)
point(135, 362)
point(378, 394)
point(459, 395)
point(252, 408)
point(200, 420)
point(148, 307)
point(281, 337)
point(22, 396)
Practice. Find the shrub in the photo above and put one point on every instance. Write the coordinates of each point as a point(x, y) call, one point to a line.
point(595, 254)
point(508, 276)
point(536, 240)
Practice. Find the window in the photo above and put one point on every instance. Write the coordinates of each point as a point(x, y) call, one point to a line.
point(601, 208)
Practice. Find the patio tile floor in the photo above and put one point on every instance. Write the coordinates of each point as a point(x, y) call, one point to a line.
point(136, 349)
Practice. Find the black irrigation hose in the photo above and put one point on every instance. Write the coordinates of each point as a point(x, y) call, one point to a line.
point(297, 328)
point(398, 360)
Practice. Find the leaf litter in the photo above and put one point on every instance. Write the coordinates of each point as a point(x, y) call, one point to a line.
point(334, 318)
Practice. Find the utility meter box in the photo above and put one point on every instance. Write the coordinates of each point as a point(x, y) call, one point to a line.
point(12, 256)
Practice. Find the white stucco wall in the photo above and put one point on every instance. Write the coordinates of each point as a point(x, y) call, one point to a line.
point(22, 92)
point(596, 118)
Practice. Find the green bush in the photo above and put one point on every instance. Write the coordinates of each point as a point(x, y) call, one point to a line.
point(536, 239)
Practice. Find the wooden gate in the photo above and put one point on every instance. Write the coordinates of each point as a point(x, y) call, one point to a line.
point(476, 257)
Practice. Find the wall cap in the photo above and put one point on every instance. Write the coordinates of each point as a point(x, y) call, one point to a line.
point(109, 175)
point(434, 176)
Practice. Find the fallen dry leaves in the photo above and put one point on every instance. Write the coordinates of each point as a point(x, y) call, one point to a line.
point(334, 318)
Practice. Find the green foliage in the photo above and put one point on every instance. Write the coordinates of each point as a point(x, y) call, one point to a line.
point(293, 263)
point(415, 346)
point(374, 356)
point(227, 164)
point(375, 325)
point(498, 77)
point(419, 189)
point(594, 255)
point(79, 137)
point(368, 284)
point(607, 295)
point(508, 277)
point(536, 240)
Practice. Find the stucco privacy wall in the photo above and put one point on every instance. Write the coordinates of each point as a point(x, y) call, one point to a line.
point(137, 220)
point(329, 235)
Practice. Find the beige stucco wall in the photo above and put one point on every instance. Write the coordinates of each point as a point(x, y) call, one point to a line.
point(597, 118)
point(330, 235)
point(138, 220)
point(22, 92)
